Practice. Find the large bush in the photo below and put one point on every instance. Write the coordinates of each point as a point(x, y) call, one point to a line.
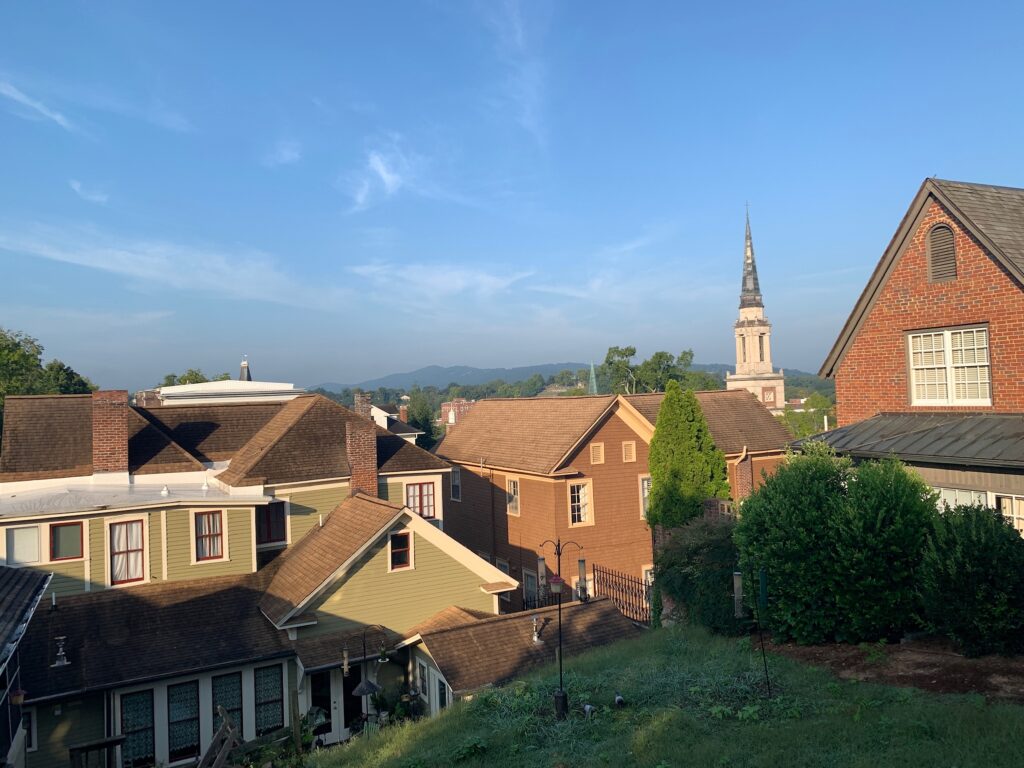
point(788, 528)
point(696, 570)
point(973, 581)
point(880, 535)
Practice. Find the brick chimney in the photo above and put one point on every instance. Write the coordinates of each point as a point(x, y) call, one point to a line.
point(110, 431)
point(361, 447)
point(362, 404)
point(403, 413)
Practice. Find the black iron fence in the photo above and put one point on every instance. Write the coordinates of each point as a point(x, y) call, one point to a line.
point(631, 595)
point(542, 599)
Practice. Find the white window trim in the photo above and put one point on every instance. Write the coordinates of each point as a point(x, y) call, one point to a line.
point(536, 580)
point(412, 551)
point(596, 447)
point(505, 597)
point(626, 460)
point(519, 495)
point(643, 572)
point(950, 399)
point(438, 494)
point(224, 551)
point(107, 554)
point(1014, 498)
point(640, 490)
point(590, 502)
point(40, 559)
point(455, 481)
point(283, 544)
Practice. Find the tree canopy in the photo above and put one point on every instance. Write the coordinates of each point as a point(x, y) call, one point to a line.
point(686, 467)
point(191, 376)
point(618, 373)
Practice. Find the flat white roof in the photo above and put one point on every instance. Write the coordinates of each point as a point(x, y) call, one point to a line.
point(56, 501)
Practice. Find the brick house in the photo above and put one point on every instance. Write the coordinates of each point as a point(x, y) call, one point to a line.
point(526, 470)
point(929, 365)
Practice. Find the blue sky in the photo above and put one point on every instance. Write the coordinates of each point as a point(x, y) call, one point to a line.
point(347, 190)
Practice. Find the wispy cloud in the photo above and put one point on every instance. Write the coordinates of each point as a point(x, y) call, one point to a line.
point(96, 318)
point(90, 195)
point(441, 280)
point(391, 167)
point(36, 108)
point(516, 47)
point(232, 274)
point(284, 152)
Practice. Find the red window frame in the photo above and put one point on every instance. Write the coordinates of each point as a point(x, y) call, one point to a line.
point(415, 496)
point(115, 552)
point(81, 541)
point(264, 524)
point(407, 549)
point(211, 536)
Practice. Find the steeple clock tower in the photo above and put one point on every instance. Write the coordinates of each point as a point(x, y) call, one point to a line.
point(754, 370)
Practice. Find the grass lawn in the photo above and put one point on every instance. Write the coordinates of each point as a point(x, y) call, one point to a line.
point(698, 700)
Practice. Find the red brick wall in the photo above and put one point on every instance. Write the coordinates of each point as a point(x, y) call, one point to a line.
point(361, 448)
point(110, 431)
point(873, 376)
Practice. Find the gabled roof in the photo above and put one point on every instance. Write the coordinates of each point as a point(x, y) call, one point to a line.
point(538, 434)
point(20, 592)
point(30, 425)
point(993, 215)
point(955, 438)
point(474, 654)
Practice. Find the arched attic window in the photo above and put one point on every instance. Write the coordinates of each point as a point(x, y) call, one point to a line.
point(941, 254)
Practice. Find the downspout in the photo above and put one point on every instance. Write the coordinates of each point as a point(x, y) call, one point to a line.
point(490, 492)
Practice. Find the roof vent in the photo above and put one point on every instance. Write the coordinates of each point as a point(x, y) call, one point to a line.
point(62, 659)
point(941, 254)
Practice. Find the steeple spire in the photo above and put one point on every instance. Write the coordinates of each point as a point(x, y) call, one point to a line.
point(244, 374)
point(592, 384)
point(750, 291)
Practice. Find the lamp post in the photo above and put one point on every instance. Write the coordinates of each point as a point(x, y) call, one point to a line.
point(366, 687)
point(556, 584)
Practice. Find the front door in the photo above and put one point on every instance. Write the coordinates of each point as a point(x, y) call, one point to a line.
point(326, 694)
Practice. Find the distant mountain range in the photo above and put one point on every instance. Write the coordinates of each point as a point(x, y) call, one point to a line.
point(440, 376)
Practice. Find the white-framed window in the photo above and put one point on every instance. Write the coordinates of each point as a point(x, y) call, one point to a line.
point(628, 451)
point(597, 453)
point(647, 572)
point(23, 545)
point(419, 497)
point(645, 495)
point(531, 590)
point(183, 721)
point(139, 729)
point(28, 723)
point(269, 694)
point(502, 565)
point(1012, 507)
point(950, 367)
point(512, 496)
point(127, 551)
point(953, 496)
point(580, 503)
point(423, 681)
point(456, 480)
point(400, 554)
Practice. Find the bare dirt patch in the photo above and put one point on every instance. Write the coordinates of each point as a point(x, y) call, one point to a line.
point(930, 664)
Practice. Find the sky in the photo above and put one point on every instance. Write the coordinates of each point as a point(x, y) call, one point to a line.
point(346, 190)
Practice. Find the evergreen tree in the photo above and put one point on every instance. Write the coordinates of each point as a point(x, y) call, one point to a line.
point(686, 467)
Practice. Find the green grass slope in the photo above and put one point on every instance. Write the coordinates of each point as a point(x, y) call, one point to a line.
point(697, 700)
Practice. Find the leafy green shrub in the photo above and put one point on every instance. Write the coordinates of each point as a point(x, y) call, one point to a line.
point(696, 569)
point(879, 536)
point(788, 527)
point(973, 581)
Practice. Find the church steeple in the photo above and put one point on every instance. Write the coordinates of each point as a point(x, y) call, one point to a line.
point(750, 291)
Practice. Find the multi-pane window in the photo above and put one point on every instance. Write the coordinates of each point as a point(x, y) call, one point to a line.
point(442, 694)
point(183, 721)
point(1012, 508)
point(512, 497)
point(579, 503)
point(456, 480)
point(270, 524)
point(502, 565)
point(419, 497)
point(953, 496)
point(423, 680)
point(209, 535)
point(138, 748)
point(400, 548)
point(127, 551)
point(950, 367)
point(269, 699)
point(227, 693)
point(23, 545)
point(65, 541)
point(645, 495)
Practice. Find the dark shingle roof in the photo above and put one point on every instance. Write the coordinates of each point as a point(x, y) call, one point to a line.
point(30, 425)
point(398, 427)
point(306, 566)
point(971, 439)
point(20, 592)
point(118, 636)
point(997, 211)
point(490, 651)
point(212, 432)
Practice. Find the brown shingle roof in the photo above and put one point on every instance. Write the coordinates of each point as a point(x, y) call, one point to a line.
point(323, 651)
point(212, 432)
point(307, 565)
point(46, 436)
point(527, 433)
point(735, 417)
point(151, 450)
point(492, 651)
point(20, 592)
point(452, 616)
point(118, 636)
point(260, 461)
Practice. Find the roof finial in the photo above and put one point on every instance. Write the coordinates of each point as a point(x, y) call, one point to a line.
point(244, 374)
point(750, 290)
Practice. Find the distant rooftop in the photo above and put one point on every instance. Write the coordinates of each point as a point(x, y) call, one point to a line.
point(211, 392)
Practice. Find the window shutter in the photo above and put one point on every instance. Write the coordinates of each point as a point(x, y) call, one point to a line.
point(628, 452)
point(941, 254)
point(597, 453)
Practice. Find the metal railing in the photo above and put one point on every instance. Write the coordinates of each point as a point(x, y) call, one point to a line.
point(630, 594)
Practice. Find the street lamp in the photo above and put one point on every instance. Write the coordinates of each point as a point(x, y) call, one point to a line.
point(366, 687)
point(556, 584)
